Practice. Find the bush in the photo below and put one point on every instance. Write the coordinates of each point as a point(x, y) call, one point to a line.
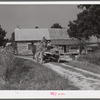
point(91, 57)
point(6, 62)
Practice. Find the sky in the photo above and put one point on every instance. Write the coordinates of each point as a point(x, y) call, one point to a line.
point(29, 16)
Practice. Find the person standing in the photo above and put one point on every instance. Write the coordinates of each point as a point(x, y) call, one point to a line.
point(33, 50)
point(44, 40)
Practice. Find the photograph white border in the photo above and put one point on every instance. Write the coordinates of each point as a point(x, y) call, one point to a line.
point(48, 2)
point(38, 94)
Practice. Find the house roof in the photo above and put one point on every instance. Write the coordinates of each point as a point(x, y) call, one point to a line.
point(31, 34)
point(37, 34)
point(93, 45)
point(65, 42)
point(58, 34)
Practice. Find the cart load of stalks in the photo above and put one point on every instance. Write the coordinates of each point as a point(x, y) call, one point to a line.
point(45, 52)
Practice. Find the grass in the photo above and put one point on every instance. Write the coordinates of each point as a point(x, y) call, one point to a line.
point(93, 57)
point(89, 62)
point(86, 65)
point(6, 62)
point(21, 74)
point(76, 65)
point(29, 75)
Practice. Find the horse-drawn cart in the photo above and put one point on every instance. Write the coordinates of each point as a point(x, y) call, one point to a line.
point(47, 56)
point(46, 53)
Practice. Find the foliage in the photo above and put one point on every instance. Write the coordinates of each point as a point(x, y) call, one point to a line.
point(94, 15)
point(91, 57)
point(36, 27)
point(3, 33)
point(56, 25)
point(12, 37)
point(87, 23)
point(6, 61)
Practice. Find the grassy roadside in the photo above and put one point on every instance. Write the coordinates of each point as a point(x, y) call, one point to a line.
point(29, 75)
point(89, 62)
point(85, 65)
point(73, 69)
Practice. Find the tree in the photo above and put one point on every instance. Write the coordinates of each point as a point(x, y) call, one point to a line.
point(94, 15)
point(36, 27)
point(87, 23)
point(56, 25)
point(12, 37)
point(3, 40)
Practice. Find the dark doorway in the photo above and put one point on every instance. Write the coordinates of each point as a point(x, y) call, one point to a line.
point(64, 48)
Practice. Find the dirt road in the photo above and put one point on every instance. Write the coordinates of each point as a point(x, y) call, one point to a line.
point(85, 80)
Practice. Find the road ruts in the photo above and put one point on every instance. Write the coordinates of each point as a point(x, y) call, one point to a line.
point(84, 80)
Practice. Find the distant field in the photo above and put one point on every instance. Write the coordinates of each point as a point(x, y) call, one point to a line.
point(29, 75)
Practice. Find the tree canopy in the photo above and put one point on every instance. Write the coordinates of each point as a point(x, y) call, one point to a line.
point(56, 25)
point(3, 33)
point(36, 27)
point(86, 24)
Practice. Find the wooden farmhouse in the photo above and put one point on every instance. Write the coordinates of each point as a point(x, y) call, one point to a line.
point(24, 38)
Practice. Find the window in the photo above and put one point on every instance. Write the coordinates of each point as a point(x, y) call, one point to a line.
point(74, 47)
point(29, 47)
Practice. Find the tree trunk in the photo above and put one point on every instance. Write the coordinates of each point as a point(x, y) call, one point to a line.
point(81, 47)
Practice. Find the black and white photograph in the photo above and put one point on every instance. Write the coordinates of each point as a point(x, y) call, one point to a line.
point(50, 47)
